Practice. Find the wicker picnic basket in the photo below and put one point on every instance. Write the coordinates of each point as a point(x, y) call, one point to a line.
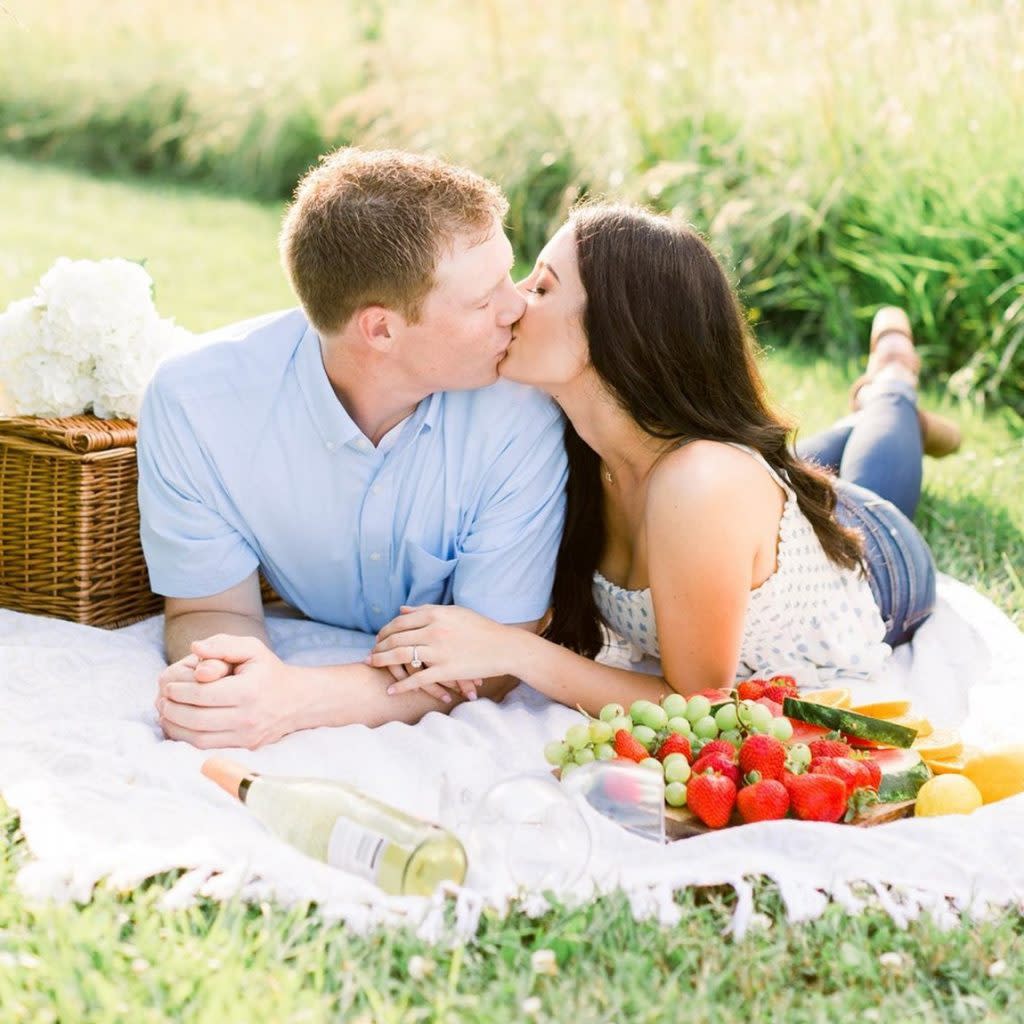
point(69, 521)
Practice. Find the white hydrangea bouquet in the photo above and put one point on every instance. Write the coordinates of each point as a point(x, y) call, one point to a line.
point(87, 340)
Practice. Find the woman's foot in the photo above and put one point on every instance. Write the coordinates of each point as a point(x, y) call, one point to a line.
point(894, 356)
point(892, 345)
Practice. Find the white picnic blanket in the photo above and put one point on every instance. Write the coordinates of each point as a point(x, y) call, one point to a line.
point(102, 796)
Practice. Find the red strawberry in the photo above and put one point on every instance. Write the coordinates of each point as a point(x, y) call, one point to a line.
point(627, 745)
point(780, 687)
point(815, 797)
point(719, 747)
point(764, 801)
point(873, 767)
point(675, 744)
point(830, 746)
point(751, 689)
point(853, 774)
point(711, 797)
point(764, 754)
point(717, 762)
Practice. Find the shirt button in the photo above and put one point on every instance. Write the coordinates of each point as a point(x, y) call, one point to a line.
point(376, 489)
point(375, 557)
point(331, 446)
point(375, 608)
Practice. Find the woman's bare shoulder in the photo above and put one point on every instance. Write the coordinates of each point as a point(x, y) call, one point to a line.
point(708, 471)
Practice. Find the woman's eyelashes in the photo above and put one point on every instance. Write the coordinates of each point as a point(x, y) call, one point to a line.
point(538, 289)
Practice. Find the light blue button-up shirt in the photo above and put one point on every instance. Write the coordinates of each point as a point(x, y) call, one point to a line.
point(247, 458)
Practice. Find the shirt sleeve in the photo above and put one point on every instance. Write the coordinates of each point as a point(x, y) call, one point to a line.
point(506, 561)
point(191, 550)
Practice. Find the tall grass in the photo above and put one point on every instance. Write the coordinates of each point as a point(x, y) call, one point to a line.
point(842, 155)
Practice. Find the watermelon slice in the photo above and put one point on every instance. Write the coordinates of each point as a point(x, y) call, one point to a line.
point(903, 774)
point(721, 695)
point(849, 722)
point(863, 744)
point(804, 732)
point(772, 705)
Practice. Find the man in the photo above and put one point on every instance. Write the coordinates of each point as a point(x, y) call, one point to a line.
point(359, 449)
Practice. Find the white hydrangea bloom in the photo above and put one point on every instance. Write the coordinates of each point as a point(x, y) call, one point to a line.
point(88, 339)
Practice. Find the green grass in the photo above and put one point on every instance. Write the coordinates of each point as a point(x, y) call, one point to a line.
point(846, 155)
point(122, 958)
point(214, 259)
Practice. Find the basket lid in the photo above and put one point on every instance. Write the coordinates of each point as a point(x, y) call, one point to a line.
point(76, 433)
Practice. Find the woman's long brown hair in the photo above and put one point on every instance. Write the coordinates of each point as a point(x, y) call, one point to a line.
point(668, 338)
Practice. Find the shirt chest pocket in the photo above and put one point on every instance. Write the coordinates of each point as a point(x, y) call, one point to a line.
point(428, 579)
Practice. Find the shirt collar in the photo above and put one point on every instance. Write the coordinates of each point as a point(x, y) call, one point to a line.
point(330, 417)
point(332, 421)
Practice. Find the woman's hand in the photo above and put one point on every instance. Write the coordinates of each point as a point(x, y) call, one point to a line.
point(455, 645)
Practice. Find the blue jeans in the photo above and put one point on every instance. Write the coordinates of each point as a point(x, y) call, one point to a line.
point(876, 454)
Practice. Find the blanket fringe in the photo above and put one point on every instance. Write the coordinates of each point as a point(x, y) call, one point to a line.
point(453, 915)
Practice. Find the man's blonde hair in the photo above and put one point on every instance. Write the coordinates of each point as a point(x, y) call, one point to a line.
point(368, 228)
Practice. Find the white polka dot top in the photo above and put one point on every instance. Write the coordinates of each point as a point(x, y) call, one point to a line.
point(811, 618)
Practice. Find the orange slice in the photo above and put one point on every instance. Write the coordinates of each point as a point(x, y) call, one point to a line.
point(884, 709)
point(939, 745)
point(921, 726)
point(950, 765)
point(837, 698)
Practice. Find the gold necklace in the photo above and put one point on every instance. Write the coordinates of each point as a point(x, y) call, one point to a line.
point(607, 473)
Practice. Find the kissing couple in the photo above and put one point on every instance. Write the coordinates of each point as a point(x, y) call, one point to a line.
point(493, 477)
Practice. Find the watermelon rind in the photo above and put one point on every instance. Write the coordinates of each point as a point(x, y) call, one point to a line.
point(849, 722)
point(904, 772)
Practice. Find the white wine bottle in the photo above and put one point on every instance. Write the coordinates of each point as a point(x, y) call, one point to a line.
point(335, 823)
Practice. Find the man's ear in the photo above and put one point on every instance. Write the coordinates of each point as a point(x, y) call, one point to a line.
point(376, 326)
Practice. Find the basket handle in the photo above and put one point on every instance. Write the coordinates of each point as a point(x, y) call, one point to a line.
point(80, 434)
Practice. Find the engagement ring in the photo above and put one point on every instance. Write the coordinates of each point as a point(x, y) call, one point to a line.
point(415, 663)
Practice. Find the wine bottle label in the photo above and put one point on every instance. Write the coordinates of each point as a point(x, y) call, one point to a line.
point(356, 849)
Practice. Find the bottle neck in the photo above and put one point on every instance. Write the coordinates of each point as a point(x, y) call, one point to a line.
point(243, 786)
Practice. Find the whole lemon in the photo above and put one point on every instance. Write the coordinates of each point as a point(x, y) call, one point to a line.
point(947, 794)
point(997, 773)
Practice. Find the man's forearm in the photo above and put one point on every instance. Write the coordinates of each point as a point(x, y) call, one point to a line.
point(357, 695)
point(181, 630)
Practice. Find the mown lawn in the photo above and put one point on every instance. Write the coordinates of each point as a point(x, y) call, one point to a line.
point(120, 958)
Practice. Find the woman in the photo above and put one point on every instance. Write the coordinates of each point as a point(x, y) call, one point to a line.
point(692, 529)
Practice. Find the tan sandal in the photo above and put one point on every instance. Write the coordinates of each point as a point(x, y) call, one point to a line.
point(940, 435)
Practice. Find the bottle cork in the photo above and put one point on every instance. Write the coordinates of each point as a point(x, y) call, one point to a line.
point(228, 774)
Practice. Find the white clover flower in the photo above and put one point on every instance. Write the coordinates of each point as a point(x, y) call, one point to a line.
point(544, 961)
point(88, 338)
point(419, 967)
